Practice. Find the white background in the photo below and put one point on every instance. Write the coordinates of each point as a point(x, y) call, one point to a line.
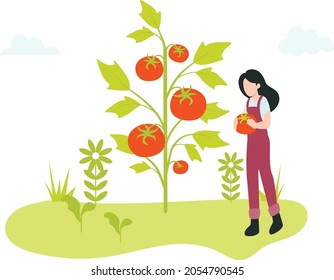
point(51, 105)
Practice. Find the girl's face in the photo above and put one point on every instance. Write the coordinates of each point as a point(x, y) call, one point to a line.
point(251, 89)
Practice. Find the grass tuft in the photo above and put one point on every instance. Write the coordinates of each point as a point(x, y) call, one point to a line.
point(58, 194)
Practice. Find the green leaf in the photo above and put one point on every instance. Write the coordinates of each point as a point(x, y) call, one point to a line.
point(226, 196)
point(192, 152)
point(236, 187)
point(89, 185)
point(140, 167)
point(87, 207)
point(210, 53)
point(150, 15)
point(64, 190)
point(141, 34)
point(101, 174)
point(114, 76)
point(101, 196)
point(209, 139)
point(101, 185)
point(126, 222)
point(226, 187)
point(124, 107)
point(73, 205)
point(213, 112)
point(212, 79)
point(90, 174)
point(235, 196)
point(113, 220)
point(227, 179)
point(122, 143)
point(235, 179)
point(90, 196)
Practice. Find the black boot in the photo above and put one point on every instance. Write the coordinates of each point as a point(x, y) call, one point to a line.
point(253, 229)
point(276, 225)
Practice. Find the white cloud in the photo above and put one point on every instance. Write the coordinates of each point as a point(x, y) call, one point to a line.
point(300, 41)
point(21, 45)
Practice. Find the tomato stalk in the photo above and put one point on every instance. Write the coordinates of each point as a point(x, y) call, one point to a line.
point(165, 124)
point(148, 105)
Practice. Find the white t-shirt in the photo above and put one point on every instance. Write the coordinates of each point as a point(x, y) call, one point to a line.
point(264, 106)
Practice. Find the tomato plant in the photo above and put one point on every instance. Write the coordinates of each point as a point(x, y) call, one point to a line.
point(180, 167)
point(188, 104)
point(149, 68)
point(178, 53)
point(242, 126)
point(146, 140)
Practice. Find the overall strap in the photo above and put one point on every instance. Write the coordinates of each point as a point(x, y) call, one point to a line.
point(259, 101)
point(247, 103)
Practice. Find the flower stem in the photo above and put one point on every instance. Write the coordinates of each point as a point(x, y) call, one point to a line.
point(95, 184)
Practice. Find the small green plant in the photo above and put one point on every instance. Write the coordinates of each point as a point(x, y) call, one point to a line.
point(115, 222)
point(75, 207)
point(231, 177)
point(58, 195)
point(278, 189)
point(95, 156)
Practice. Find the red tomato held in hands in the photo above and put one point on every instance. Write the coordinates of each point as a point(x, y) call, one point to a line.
point(180, 167)
point(146, 140)
point(178, 53)
point(149, 68)
point(242, 126)
point(188, 104)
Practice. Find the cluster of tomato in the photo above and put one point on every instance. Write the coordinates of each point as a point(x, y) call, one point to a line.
point(147, 140)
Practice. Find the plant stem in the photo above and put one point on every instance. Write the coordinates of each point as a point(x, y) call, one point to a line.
point(156, 169)
point(165, 124)
point(178, 76)
point(149, 106)
point(230, 188)
point(175, 126)
point(175, 143)
point(95, 184)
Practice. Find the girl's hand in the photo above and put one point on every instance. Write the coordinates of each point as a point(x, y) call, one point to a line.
point(251, 123)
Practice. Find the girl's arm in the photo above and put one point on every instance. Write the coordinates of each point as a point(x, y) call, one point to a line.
point(235, 123)
point(264, 124)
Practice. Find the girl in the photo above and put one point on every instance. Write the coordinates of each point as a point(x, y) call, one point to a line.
point(262, 100)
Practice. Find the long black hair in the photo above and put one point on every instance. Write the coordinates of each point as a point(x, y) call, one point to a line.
point(255, 76)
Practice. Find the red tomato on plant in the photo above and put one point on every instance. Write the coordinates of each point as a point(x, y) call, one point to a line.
point(149, 68)
point(180, 167)
point(242, 126)
point(178, 53)
point(188, 104)
point(146, 140)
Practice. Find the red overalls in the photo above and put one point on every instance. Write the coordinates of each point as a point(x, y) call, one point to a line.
point(258, 161)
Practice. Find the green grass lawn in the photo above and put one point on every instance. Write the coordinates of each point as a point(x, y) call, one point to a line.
point(49, 228)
